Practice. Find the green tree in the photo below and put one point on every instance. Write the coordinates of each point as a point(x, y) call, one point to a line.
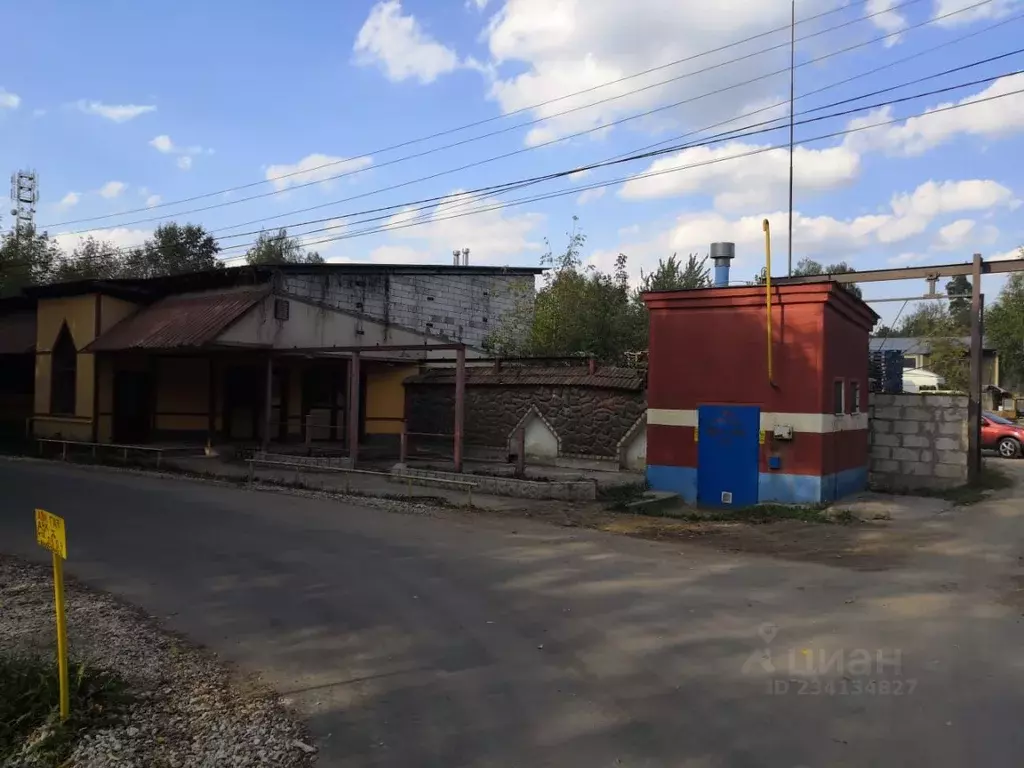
point(960, 308)
point(673, 275)
point(27, 258)
point(1004, 327)
point(173, 250)
point(929, 319)
point(92, 259)
point(811, 267)
point(579, 310)
point(278, 248)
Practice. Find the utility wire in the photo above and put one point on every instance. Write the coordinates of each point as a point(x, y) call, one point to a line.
point(713, 161)
point(460, 198)
point(530, 108)
point(844, 81)
point(522, 150)
point(550, 142)
point(729, 135)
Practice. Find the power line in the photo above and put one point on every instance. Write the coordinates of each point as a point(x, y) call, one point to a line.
point(532, 107)
point(567, 137)
point(760, 150)
point(730, 135)
point(573, 191)
point(558, 140)
point(844, 81)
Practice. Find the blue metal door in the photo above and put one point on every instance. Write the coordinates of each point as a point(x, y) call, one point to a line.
point(727, 455)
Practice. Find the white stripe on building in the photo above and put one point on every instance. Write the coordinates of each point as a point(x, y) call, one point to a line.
point(818, 423)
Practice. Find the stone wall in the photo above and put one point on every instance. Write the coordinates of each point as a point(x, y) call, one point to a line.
point(459, 306)
point(918, 442)
point(590, 417)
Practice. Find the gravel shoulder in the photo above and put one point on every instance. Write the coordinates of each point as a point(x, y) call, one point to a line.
point(186, 709)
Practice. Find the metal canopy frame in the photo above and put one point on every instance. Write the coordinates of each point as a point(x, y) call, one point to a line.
point(975, 269)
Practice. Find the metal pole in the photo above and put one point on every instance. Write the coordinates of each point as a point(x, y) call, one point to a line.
point(353, 410)
point(792, 99)
point(403, 445)
point(768, 293)
point(974, 400)
point(268, 404)
point(460, 404)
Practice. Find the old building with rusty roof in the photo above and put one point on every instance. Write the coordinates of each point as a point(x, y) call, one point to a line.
point(292, 352)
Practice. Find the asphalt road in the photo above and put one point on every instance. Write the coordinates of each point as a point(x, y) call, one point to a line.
point(409, 640)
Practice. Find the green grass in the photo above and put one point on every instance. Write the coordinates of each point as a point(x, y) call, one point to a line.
point(757, 515)
point(29, 706)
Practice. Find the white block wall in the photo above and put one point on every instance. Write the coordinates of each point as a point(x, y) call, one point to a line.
point(460, 307)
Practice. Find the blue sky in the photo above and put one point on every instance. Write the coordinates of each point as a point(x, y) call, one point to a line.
point(121, 106)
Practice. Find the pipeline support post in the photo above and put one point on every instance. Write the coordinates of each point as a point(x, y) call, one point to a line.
point(460, 403)
point(974, 389)
point(353, 409)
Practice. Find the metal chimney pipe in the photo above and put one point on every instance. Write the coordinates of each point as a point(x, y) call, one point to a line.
point(721, 255)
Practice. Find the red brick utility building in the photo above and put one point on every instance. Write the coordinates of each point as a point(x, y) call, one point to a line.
point(721, 430)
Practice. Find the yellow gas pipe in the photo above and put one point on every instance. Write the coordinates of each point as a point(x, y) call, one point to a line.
point(768, 292)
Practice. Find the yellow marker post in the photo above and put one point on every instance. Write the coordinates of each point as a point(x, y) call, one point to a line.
point(50, 534)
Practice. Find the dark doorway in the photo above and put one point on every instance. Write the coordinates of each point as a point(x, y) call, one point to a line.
point(244, 388)
point(133, 406)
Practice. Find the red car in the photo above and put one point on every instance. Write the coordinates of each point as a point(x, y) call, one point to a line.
point(1001, 435)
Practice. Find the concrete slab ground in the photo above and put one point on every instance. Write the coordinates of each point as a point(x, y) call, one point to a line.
point(448, 640)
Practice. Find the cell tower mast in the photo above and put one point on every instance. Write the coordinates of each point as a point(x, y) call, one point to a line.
point(24, 195)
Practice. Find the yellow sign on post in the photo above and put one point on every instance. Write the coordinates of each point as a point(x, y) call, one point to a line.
point(50, 534)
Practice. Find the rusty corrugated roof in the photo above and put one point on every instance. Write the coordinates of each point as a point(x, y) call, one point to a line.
point(17, 333)
point(186, 320)
point(575, 376)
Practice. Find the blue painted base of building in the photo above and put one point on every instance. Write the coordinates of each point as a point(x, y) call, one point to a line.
point(771, 486)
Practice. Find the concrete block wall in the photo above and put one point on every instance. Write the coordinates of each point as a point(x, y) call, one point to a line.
point(460, 307)
point(918, 442)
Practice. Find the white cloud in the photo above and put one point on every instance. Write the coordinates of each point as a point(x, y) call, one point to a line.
point(162, 143)
point(312, 168)
point(9, 100)
point(588, 195)
point(153, 200)
point(400, 46)
point(887, 20)
point(956, 235)
point(549, 48)
point(1015, 253)
point(478, 4)
point(992, 10)
point(493, 237)
point(70, 200)
point(824, 238)
point(119, 237)
point(112, 189)
point(38, 112)
point(118, 113)
point(752, 182)
point(991, 119)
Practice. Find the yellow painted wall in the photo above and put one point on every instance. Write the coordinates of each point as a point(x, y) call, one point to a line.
point(79, 312)
point(113, 311)
point(385, 396)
